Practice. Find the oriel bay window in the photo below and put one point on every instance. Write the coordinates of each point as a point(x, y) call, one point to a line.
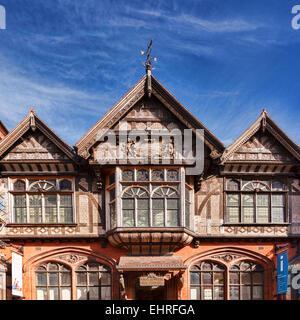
point(258, 202)
point(149, 197)
point(42, 201)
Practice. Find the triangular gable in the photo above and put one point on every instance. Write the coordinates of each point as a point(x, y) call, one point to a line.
point(129, 100)
point(32, 135)
point(263, 141)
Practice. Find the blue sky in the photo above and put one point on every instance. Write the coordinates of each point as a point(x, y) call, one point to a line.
point(223, 60)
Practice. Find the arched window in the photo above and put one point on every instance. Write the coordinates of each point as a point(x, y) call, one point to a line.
point(207, 280)
point(2, 282)
point(135, 207)
point(246, 281)
point(53, 282)
point(233, 185)
point(93, 282)
point(19, 185)
point(165, 207)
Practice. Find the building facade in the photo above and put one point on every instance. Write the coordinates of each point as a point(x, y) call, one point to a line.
point(97, 221)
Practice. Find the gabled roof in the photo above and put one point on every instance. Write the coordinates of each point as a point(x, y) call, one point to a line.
point(32, 121)
point(265, 123)
point(130, 99)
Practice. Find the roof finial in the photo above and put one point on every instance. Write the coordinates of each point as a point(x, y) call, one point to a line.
point(148, 66)
point(31, 111)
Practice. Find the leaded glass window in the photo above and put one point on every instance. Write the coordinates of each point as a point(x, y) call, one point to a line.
point(42, 201)
point(255, 201)
point(53, 282)
point(207, 281)
point(246, 281)
point(93, 282)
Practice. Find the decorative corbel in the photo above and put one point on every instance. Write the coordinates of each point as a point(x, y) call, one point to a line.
point(196, 244)
point(198, 182)
point(99, 181)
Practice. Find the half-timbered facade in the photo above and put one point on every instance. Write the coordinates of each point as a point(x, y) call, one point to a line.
point(106, 219)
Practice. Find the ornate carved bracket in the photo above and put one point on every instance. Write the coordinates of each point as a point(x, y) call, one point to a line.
point(99, 181)
point(122, 287)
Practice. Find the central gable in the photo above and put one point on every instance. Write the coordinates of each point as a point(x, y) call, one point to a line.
point(160, 111)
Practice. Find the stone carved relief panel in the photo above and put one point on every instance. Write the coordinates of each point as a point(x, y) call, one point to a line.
point(71, 258)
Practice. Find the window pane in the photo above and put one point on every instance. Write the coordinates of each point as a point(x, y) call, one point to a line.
point(278, 215)
point(66, 215)
point(232, 200)
point(246, 292)
point(206, 293)
point(105, 293)
point(66, 200)
point(277, 200)
point(246, 278)
point(218, 293)
point(35, 210)
point(158, 218)
point(128, 203)
point(195, 293)
point(66, 294)
point(41, 294)
point(257, 277)
point(113, 218)
point(258, 293)
point(41, 279)
point(53, 278)
point(81, 278)
point(112, 194)
point(19, 185)
point(277, 186)
point(247, 200)
point(50, 208)
point(81, 293)
point(195, 278)
point(93, 278)
point(157, 175)
point(234, 278)
point(20, 200)
point(65, 185)
point(142, 175)
point(94, 293)
point(233, 214)
point(234, 292)
point(172, 218)
point(262, 200)
point(233, 185)
point(127, 175)
point(66, 278)
point(53, 293)
point(262, 215)
point(143, 218)
point(172, 175)
point(20, 215)
point(247, 215)
point(206, 278)
point(128, 218)
point(218, 278)
point(105, 278)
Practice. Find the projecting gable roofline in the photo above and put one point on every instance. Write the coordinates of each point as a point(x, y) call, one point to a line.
point(128, 101)
point(32, 121)
point(264, 122)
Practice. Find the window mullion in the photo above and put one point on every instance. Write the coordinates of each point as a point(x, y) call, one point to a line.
point(43, 207)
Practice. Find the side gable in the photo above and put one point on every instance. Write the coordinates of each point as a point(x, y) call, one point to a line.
point(263, 148)
point(33, 147)
point(130, 100)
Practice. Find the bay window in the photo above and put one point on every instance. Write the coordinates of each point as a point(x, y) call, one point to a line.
point(149, 197)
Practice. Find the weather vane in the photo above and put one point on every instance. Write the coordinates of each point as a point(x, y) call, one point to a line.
point(148, 63)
